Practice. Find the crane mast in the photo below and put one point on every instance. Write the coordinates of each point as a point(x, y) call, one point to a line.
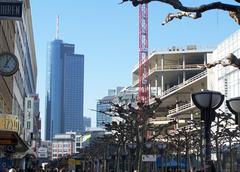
point(143, 91)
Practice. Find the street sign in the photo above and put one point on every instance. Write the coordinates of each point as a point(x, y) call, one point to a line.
point(11, 10)
point(149, 158)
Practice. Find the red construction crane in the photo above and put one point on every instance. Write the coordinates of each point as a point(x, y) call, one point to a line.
point(143, 92)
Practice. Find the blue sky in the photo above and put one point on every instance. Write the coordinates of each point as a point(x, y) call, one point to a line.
point(107, 34)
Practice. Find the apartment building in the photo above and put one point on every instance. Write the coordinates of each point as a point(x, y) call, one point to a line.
point(32, 121)
point(63, 145)
point(42, 153)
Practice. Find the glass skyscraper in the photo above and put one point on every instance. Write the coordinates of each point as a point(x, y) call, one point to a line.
point(64, 90)
point(105, 104)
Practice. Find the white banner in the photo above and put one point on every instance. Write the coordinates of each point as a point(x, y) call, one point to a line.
point(149, 158)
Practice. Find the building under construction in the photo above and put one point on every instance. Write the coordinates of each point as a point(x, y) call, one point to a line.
point(173, 75)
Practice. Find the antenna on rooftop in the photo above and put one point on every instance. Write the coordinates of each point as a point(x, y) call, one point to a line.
point(57, 27)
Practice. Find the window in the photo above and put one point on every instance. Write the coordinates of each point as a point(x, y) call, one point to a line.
point(29, 104)
point(28, 125)
point(29, 115)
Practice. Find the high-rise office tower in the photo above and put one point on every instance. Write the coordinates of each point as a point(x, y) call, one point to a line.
point(64, 93)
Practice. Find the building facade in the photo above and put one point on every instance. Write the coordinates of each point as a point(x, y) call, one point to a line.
point(86, 122)
point(63, 145)
point(16, 37)
point(225, 79)
point(105, 104)
point(32, 121)
point(45, 145)
point(64, 90)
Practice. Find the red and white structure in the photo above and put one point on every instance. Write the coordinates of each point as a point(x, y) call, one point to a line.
point(143, 92)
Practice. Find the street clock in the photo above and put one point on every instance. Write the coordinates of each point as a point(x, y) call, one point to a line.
point(8, 64)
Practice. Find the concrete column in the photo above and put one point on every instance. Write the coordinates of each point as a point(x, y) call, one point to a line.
point(184, 62)
point(205, 59)
point(156, 84)
point(177, 105)
point(191, 116)
point(162, 83)
point(162, 62)
point(179, 79)
point(184, 67)
point(156, 64)
point(184, 76)
point(191, 101)
point(177, 123)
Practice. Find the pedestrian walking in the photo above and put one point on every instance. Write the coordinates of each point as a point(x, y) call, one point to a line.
point(12, 170)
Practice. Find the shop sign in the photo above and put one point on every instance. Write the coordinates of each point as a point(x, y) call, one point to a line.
point(5, 162)
point(149, 158)
point(11, 10)
point(9, 123)
point(71, 161)
point(8, 141)
point(77, 162)
point(9, 149)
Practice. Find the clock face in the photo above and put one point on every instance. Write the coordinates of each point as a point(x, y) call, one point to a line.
point(8, 64)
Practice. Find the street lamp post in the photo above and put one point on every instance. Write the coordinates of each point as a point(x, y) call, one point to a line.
point(132, 147)
point(207, 101)
point(161, 147)
point(124, 156)
point(233, 105)
point(148, 146)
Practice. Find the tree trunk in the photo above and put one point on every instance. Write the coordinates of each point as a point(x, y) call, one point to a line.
point(231, 155)
point(218, 156)
point(117, 166)
point(219, 164)
point(138, 149)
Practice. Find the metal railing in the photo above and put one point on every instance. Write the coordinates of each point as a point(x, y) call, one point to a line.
point(172, 67)
point(190, 80)
point(180, 108)
point(175, 87)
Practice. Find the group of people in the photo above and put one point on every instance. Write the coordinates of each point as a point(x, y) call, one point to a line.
point(38, 169)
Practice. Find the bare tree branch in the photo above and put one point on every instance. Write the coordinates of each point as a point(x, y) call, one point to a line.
point(230, 60)
point(193, 12)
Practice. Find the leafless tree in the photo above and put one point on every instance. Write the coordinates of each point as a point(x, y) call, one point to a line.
point(196, 11)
